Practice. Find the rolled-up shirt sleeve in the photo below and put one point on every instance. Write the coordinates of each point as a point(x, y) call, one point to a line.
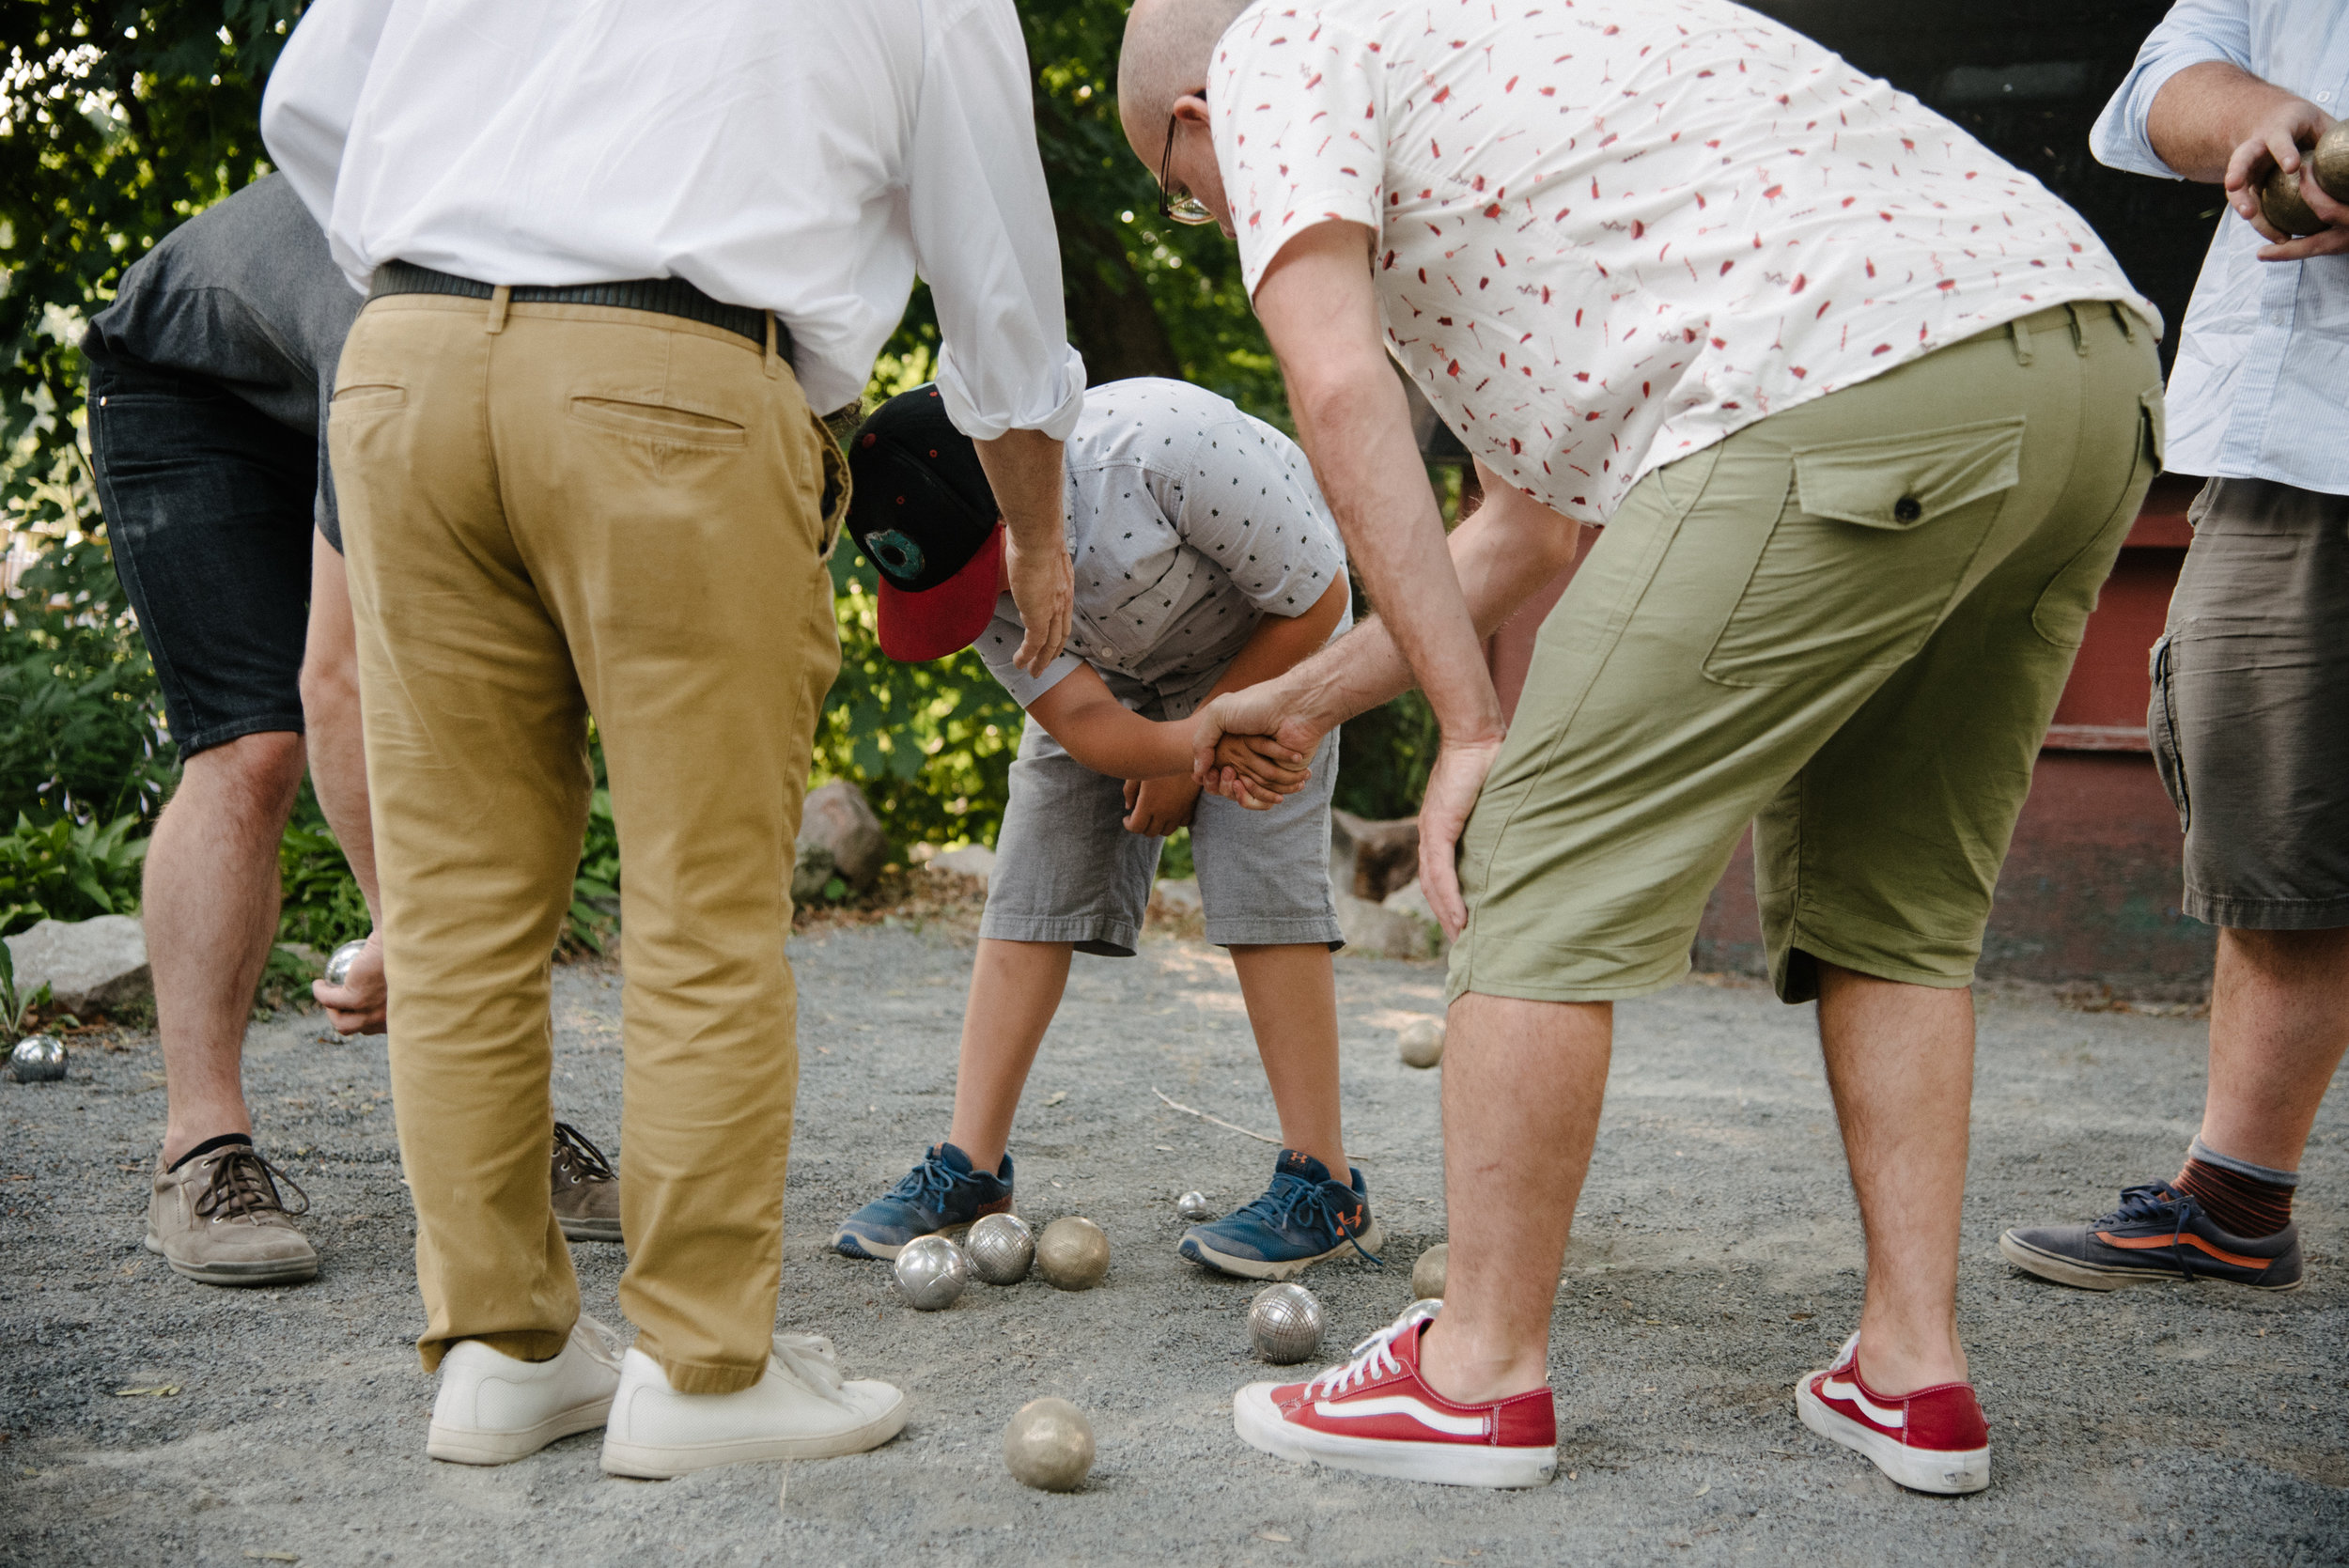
point(313, 96)
point(1000, 643)
point(982, 235)
point(2193, 31)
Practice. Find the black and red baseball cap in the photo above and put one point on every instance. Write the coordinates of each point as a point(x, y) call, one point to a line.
point(924, 514)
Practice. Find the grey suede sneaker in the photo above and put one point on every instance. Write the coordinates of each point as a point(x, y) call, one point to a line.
point(218, 1220)
point(586, 1189)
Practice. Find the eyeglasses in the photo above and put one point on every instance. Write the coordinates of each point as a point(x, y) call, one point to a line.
point(1185, 208)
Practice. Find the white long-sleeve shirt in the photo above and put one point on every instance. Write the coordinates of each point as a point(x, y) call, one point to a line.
point(787, 155)
point(2257, 391)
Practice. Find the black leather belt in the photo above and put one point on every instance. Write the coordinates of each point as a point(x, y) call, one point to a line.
point(661, 296)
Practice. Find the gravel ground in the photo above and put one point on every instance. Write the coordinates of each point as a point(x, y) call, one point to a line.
point(1716, 1258)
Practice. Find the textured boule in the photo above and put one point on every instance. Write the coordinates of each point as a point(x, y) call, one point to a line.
point(1049, 1446)
point(1072, 1254)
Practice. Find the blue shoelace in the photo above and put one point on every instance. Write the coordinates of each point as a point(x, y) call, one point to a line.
point(2152, 1203)
point(1290, 1195)
point(927, 1185)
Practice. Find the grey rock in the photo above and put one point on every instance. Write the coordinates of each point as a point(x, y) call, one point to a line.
point(973, 859)
point(89, 966)
point(1369, 859)
point(1412, 903)
point(1375, 931)
point(839, 832)
point(1176, 899)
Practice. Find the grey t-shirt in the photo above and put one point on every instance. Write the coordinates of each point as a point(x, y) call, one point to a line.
point(1188, 522)
point(243, 295)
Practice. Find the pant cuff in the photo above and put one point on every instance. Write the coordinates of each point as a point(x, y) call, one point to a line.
point(709, 1378)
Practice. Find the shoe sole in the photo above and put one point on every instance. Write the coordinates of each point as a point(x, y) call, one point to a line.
point(589, 1230)
point(1257, 1268)
point(850, 1245)
point(1949, 1473)
point(459, 1445)
point(666, 1461)
point(1258, 1421)
point(237, 1274)
point(2086, 1276)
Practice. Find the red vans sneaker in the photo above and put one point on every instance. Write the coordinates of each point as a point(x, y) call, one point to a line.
point(1933, 1440)
point(1375, 1413)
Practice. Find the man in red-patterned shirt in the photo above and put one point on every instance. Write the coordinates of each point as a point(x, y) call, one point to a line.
point(1866, 413)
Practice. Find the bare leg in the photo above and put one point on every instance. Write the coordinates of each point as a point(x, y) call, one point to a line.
point(339, 772)
point(211, 913)
point(2279, 1023)
point(1014, 990)
point(1522, 1084)
point(1291, 997)
point(1899, 1062)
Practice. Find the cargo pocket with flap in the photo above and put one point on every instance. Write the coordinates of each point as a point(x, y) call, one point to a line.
point(1870, 549)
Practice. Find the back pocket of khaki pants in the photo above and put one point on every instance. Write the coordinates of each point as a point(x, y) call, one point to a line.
point(659, 423)
point(1870, 546)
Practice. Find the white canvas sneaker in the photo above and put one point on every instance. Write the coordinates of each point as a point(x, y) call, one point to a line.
point(800, 1409)
point(493, 1409)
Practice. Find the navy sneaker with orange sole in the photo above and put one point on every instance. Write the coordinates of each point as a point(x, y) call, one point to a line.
point(1932, 1440)
point(2159, 1233)
point(941, 1196)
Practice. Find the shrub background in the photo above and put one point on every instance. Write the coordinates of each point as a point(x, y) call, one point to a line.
point(120, 120)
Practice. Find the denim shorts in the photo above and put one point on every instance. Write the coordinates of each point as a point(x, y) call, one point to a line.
point(1067, 871)
point(2251, 687)
point(210, 507)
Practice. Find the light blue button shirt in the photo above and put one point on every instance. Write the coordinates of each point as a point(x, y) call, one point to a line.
point(2260, 389)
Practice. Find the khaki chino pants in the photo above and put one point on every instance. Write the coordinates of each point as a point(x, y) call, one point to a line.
point(554, 510)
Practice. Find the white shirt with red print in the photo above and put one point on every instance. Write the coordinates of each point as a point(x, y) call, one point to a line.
point(1611, 232)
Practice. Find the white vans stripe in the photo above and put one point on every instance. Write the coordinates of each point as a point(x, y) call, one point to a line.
point(1403, 1404)
point(1836, 1388)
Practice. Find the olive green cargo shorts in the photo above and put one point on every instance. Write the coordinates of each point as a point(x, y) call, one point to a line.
point(1847, 622)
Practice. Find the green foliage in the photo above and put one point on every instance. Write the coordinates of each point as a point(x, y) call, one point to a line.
point(323, 906)
point(1384, 757)
point(66, 870)
point(14, 1006)
point(596, 889)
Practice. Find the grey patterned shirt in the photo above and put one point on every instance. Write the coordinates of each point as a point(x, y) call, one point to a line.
point(1188, 522)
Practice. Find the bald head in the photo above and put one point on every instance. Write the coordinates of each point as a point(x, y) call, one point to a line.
point(1167, 45)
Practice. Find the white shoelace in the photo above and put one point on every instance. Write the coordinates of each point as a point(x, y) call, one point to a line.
point(1373, 1357)
point(809, 1360)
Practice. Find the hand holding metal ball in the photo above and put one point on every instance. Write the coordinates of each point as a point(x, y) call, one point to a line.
point(2282, 202)
point(932, 1272)
point(338, 963)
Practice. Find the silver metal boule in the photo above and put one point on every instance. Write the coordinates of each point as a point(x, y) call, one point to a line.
point(1001, 1247)
point(38, 1059)
point(1049, 1446)
point(931, 1271)
point(1420, 1042)
point(1073, 1253)
point(338, 963)
point(1284, 1324)
point(1427, 1275)
point(1195, 1206)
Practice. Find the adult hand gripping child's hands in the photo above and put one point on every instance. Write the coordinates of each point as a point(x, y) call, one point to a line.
point(1156, 807)
point(1253, 745)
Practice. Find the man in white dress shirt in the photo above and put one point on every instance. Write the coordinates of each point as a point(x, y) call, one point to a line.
point(620, 256)
point(1866, 413)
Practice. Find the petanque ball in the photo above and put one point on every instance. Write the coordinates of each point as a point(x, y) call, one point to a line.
point(1422, 1042)
point(1048, 1445)
point(38, 1059)
point(1195, 1206)
point(1073, 1253)
point(1001, 1248)
point(931, 1271)
point(2329, 160)
point(1284, 1324)
point(2282, 205)
point(1427, 1274)
point(338, 963)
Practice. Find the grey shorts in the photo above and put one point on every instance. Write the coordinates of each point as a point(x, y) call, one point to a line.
point(1067, 871)
point(2249, 719)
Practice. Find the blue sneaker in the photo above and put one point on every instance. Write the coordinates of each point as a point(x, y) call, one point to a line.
point(941, 1196)
point(1303, 1217)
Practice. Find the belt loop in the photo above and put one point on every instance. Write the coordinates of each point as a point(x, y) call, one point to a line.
point(498, 298)
point(2020, 330)
point(2079, 329)
point(774, 354)
point(2125, 319)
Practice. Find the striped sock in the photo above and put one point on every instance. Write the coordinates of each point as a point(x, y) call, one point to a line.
point(2242, 1199)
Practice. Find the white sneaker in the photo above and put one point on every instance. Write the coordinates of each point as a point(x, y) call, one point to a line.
point(493, 1409)
point(800, 1409)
